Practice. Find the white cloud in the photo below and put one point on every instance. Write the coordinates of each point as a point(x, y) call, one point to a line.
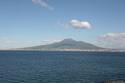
point(80, 24)
point(43, 4)
point(113, 40)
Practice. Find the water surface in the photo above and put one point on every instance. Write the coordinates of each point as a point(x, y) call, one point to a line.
point(60, 67)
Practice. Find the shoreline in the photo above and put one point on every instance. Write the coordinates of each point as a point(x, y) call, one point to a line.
point(64, 50)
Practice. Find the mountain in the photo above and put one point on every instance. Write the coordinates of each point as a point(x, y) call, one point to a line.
point(65, 45)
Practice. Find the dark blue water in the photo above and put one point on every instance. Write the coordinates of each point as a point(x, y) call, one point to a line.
point(60, 67)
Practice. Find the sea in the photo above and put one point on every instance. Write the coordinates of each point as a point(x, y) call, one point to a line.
point(61, 67)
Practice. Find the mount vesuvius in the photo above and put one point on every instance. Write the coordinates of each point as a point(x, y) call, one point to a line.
point(65, 45)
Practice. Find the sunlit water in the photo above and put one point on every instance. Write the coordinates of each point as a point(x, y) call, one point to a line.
point(60, 67)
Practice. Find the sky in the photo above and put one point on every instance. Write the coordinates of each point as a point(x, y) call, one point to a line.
point(26, 23)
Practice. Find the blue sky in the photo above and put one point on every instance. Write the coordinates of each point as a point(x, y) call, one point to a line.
point(35, 22)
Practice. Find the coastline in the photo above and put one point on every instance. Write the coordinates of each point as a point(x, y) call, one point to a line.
point(64, 50)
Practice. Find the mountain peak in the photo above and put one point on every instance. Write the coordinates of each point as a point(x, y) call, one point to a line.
point(68, 40)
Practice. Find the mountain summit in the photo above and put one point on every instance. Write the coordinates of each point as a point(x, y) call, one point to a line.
point(65, 45)
point(68, 40)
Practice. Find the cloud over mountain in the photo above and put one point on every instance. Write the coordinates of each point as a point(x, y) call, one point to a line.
point(80, 24)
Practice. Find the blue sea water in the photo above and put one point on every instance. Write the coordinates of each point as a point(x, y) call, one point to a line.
point(60, 67)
